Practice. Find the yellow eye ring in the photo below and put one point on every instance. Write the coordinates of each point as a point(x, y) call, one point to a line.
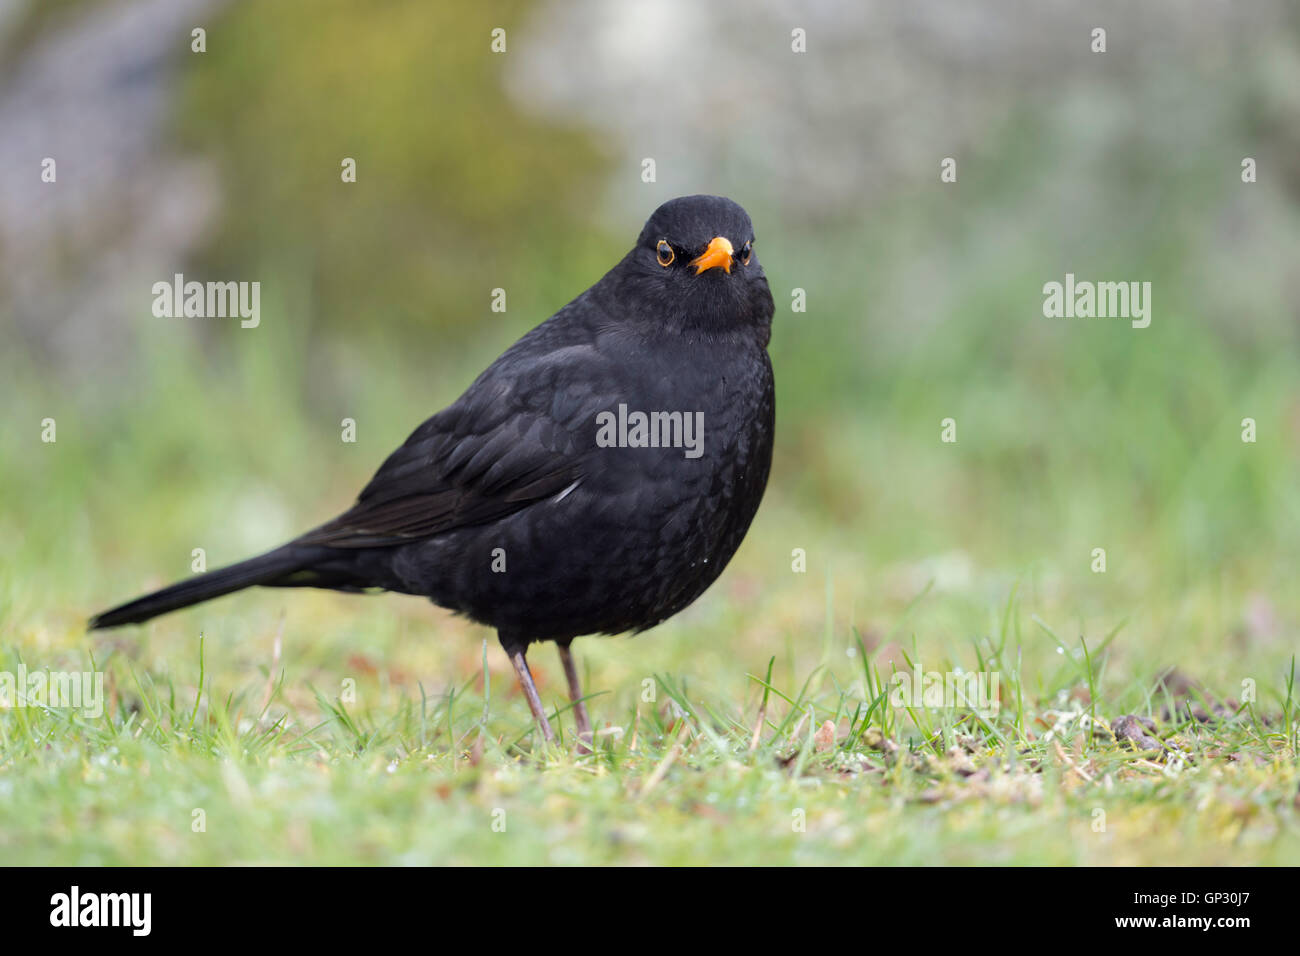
point(746, 251)
point(666, 254)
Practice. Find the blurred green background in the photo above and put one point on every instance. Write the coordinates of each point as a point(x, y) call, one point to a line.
point(522, 170)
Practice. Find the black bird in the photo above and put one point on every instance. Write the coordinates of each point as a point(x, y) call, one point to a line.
point(596, 478)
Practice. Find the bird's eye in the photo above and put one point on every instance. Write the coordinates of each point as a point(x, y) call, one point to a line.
point(666, 254)
point(745, 252)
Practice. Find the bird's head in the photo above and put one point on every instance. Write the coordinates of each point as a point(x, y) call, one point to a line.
point(695, 268)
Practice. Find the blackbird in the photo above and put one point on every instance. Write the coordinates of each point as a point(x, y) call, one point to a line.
point(596, 478)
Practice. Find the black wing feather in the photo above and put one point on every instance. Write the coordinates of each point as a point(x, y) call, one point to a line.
point(490, 454)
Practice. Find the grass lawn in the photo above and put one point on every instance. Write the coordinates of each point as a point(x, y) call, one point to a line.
point(262, 763)
point(756, 727)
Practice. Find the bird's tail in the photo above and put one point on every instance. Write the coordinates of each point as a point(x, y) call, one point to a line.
point(271, 568)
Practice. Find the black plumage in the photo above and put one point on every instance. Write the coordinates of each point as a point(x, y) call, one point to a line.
point(510, 507)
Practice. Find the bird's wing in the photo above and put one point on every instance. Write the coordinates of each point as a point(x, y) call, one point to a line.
point(516, 437)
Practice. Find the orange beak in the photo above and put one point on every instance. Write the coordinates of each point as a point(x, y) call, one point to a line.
point(717, 254)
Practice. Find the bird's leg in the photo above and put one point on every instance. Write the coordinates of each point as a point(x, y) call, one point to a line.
point(575, 695)
point(530, 691)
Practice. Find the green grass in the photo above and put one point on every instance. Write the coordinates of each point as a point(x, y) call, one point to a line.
point(973, 556)
point(240, 708)
point(281, 770)
point(924, 303)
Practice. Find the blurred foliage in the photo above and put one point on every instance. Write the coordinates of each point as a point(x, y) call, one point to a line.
point(924, 303)
point(457, 193)
point(31, 21)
